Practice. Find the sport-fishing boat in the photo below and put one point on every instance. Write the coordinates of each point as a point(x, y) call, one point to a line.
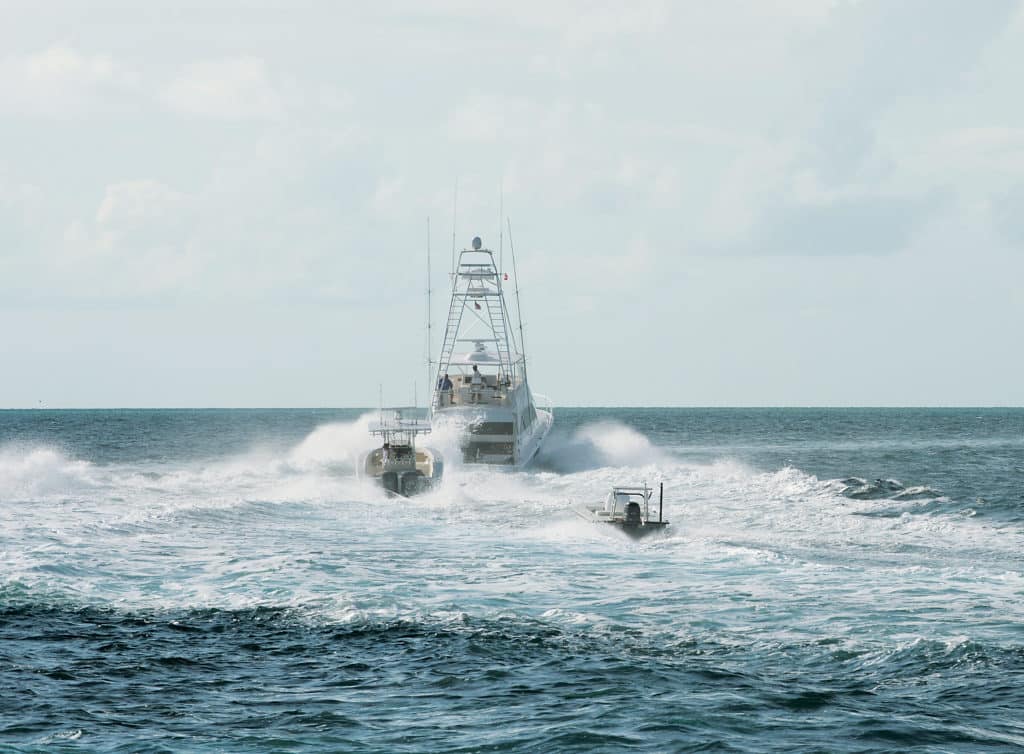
point(629, 510)
point(481, 384)
point(398, 465)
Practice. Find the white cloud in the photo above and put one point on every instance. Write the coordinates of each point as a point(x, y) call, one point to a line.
point(628, 141)
point(389, 195)
point(25, 198)
point(141, 242)
point(492, 118)
point(230, 89)
point(22, 208)
point(132, 203)
point(594, 27)
point(60, 81)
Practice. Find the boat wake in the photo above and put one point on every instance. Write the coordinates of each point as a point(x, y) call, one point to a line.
point(215, 561)
point(723, 506)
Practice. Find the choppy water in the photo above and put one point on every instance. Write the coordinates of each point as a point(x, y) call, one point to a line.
point(833, 580)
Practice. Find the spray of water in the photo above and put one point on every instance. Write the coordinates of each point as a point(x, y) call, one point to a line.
point(40, 472)
point(598, 445)
point(338, 446)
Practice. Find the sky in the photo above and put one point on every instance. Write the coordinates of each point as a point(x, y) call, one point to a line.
point(789, 203)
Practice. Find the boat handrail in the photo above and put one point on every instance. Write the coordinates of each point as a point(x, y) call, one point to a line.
point(543, 402)
point(406, 420)
point(421, 428)
point(638, 489)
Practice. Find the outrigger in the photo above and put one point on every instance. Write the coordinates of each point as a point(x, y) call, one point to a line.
point(401, 467)
point(628, 509)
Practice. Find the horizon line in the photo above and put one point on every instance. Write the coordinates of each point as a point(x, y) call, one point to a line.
point(567, 406)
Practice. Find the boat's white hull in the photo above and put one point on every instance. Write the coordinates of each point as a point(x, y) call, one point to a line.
point(544, 420)
point(514, 451)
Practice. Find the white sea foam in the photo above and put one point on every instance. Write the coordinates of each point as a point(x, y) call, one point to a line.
point(296, 529)
point(761, 569)
point(30, 473)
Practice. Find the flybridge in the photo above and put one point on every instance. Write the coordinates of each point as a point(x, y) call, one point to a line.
point(479, 319)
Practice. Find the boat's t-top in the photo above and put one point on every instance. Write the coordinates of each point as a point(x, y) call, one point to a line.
point(631, 504)
point(398, 433)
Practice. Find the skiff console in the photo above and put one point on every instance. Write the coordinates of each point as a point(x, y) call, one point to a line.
point(399, 466)
point(628, 509)
point(481, 385)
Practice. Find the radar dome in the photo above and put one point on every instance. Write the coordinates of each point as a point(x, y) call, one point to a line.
point(477, 243)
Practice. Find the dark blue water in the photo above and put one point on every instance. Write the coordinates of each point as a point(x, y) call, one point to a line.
point(832, 580)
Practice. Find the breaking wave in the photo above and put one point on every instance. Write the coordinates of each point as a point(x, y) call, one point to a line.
point(29, 473)
point(597, 445)
point(337, 445)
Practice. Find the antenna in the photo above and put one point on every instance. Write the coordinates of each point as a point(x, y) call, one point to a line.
point(501, 230)
point(429, 323)
point(455, 215)
point(519, 308)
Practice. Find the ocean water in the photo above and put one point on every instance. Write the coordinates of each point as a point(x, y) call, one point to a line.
point(219, 581)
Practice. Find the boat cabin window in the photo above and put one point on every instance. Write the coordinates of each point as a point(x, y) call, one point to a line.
point(491, 428)
point(490, 380)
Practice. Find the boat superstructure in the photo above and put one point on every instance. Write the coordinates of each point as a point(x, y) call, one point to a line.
point(399, 465)
point(481, 383)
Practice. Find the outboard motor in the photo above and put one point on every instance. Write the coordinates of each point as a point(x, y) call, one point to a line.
point(389, 479)
point(633, 514)
point(411, 482)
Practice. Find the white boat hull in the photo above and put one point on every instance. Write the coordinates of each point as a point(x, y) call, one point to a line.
point(490, 437)
point(596, 514)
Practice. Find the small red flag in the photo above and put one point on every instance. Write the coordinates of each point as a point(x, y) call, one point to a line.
point(476, 304)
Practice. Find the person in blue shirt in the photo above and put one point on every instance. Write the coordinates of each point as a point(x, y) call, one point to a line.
point(445, 386)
